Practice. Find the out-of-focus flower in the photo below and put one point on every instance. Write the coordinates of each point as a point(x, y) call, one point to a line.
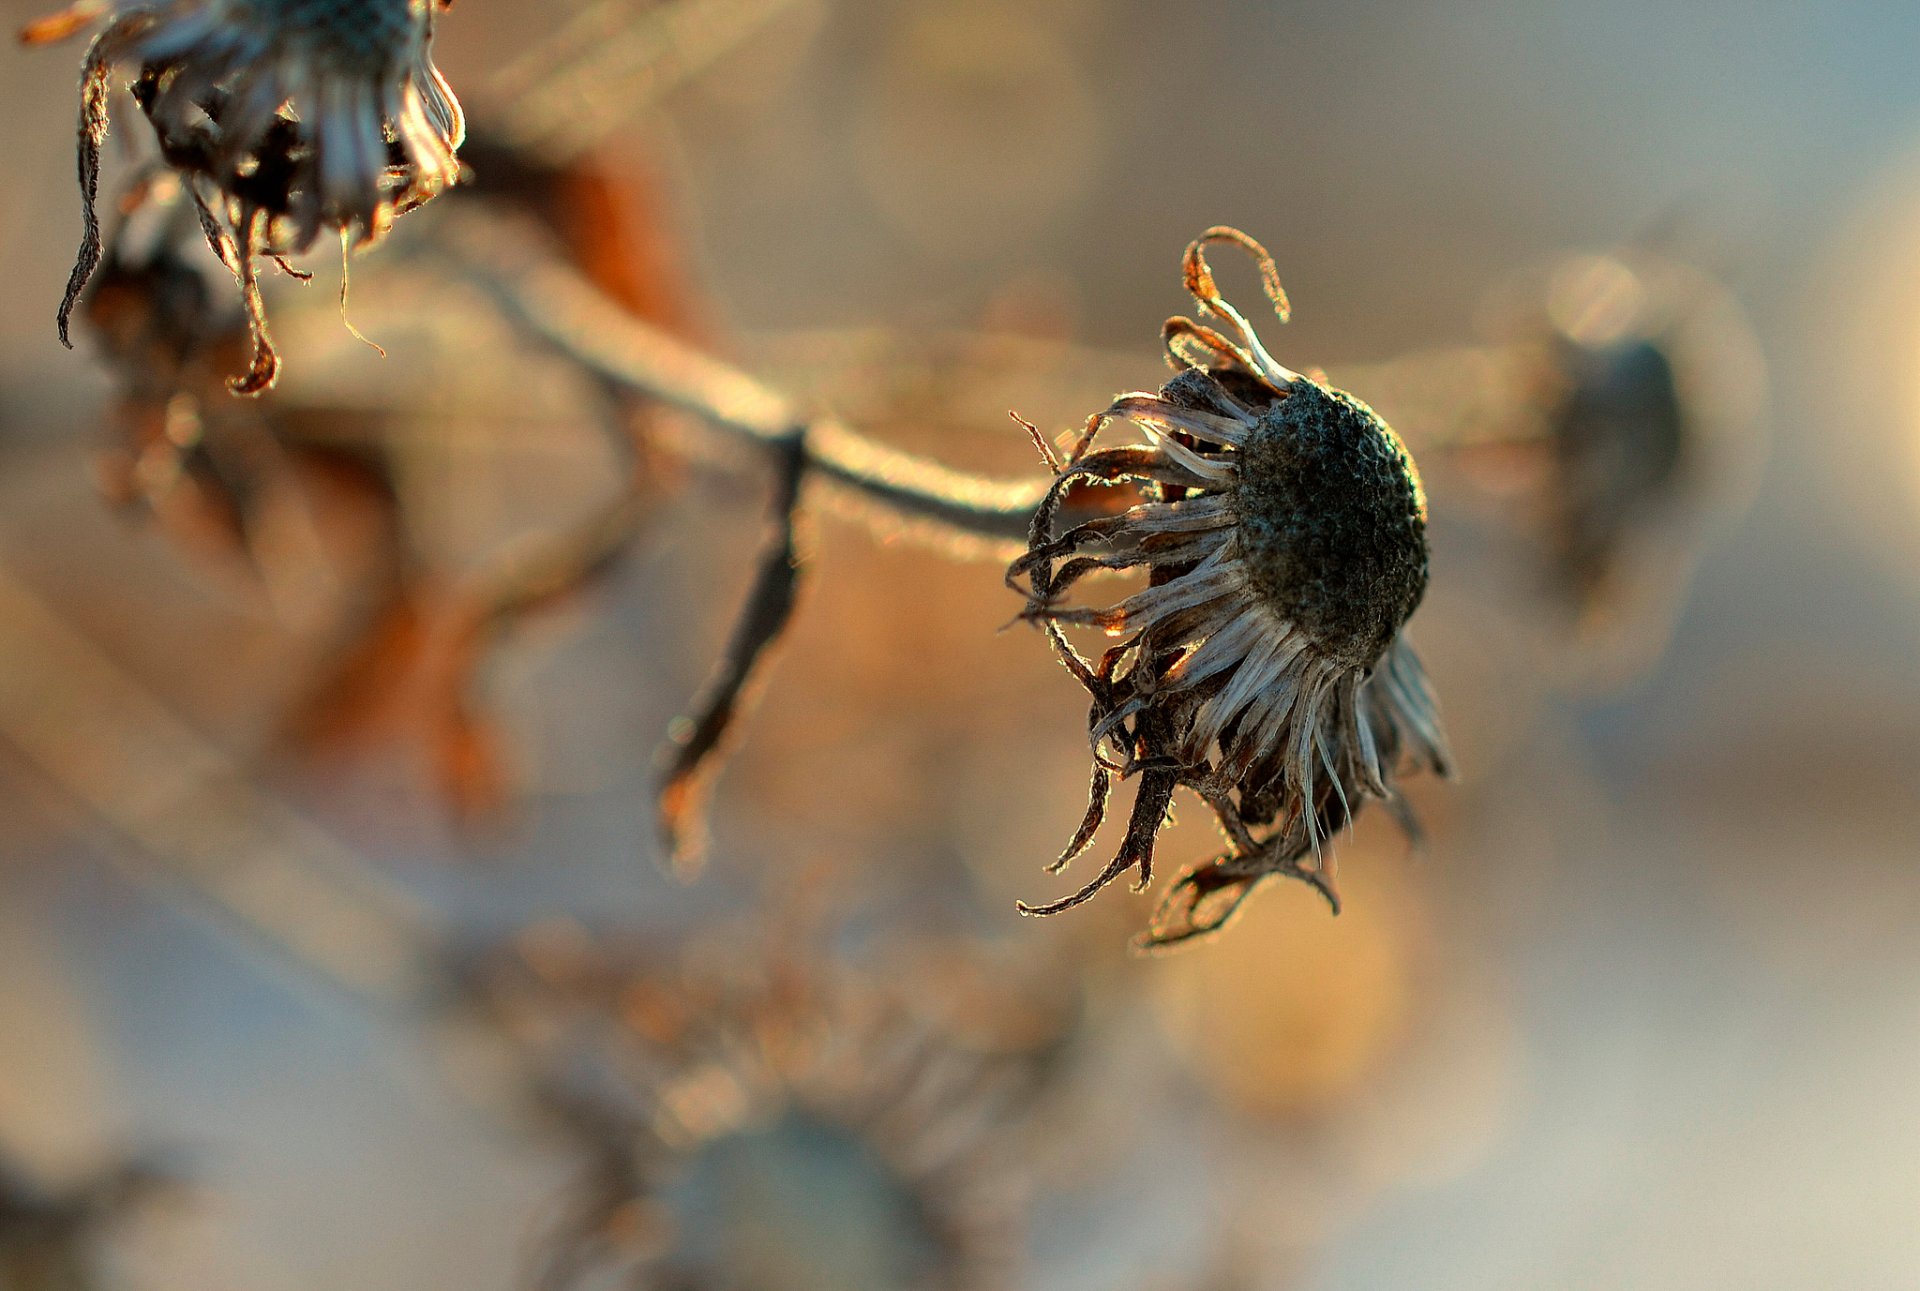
point(1619, 448)
point(282, 118)
point(1624, 438)
point(1615, 429)
point(1282, 527)
point(760, 1119)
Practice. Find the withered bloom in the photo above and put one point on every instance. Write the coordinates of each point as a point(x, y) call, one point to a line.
point(1282, 527)
point(282, 118)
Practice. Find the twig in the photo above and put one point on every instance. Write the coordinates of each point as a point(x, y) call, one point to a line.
point(694, 747)
point(1449, 396)
point(552, 302)
point(558, 306)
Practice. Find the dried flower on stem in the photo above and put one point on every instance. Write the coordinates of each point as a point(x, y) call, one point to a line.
point(282, 118)
point(1283, 533)
point(1283, 526)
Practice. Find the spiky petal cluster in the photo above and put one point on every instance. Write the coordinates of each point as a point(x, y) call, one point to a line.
point(283, 118)
point(1282, 528)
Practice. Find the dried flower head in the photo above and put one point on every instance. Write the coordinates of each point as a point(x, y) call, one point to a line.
point(1282, 527)
point(282, 118)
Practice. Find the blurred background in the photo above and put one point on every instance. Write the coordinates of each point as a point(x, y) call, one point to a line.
point(1641, 1015)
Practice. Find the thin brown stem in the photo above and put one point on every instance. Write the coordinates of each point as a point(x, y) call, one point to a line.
point(696, 746)
point(565, 312)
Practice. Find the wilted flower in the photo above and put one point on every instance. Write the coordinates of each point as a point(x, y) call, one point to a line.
point(283, 118)
point(1282, 527)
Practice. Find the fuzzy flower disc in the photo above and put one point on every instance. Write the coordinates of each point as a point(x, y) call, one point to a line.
point(1332, 521)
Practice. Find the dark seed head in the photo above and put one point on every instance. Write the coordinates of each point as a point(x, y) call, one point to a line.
point(1333, 522)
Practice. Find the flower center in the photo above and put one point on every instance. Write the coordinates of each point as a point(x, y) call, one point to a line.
point(1333, 526)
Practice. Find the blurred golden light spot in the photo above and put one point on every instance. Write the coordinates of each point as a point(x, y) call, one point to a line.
point(1858, 425)
point(706, 1103)
point(641, 1227)
point(976, 128)
point(1594, 300)
point(1291, 1009)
